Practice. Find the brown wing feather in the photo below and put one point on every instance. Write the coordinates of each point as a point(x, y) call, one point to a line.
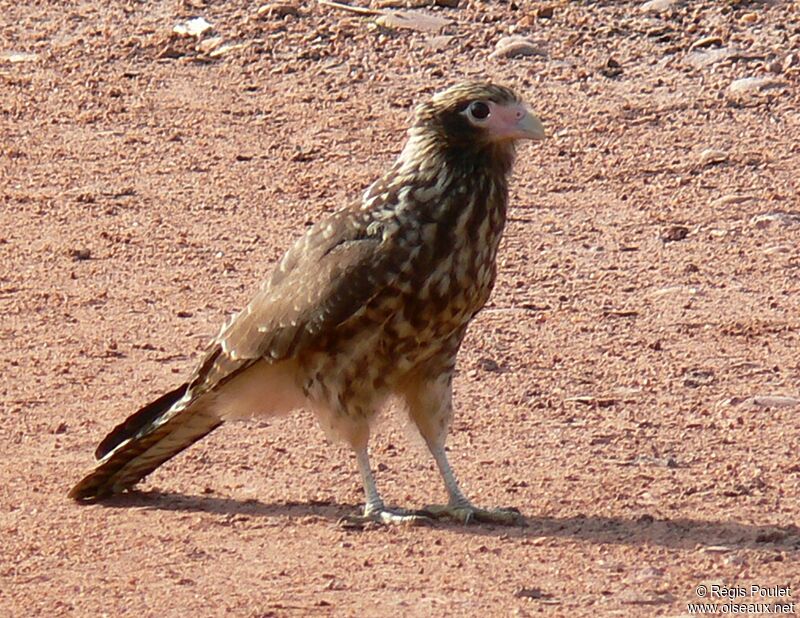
point(326, 277)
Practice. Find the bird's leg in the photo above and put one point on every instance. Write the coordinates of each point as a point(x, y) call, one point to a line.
point(458, 506)
point(374, 509)
point(430, 406)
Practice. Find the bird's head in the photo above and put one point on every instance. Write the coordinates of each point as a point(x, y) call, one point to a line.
point(473, 119)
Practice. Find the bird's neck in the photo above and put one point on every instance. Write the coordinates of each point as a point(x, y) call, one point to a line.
point(435, 172)
point(438, 183)
point(427, 152)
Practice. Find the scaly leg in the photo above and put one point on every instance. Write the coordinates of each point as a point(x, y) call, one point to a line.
point(458, 507)
point(429, 399)
point(374, 509)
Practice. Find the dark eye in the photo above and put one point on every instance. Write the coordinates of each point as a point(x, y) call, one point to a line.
point(479, 110)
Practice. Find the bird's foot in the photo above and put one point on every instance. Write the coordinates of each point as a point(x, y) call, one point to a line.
point(468, 514)
point(385, 516)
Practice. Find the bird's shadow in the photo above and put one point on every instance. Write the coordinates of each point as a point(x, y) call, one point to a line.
point(678, 533)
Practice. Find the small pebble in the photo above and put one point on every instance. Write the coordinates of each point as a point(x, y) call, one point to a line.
point(675, 233)
point(658, 6)
point(707, 41)
point(516, 47)
point(754, 84)
point(710, 156)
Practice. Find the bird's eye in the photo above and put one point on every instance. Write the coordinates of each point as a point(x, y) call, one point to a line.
point(479, 110)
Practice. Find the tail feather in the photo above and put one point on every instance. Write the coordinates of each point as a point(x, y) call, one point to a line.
point(141, 444)
point(138, 421)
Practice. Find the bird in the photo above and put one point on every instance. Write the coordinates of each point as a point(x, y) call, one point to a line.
point(371, 303)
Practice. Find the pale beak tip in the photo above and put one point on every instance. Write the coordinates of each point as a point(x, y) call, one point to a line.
point(532, 127)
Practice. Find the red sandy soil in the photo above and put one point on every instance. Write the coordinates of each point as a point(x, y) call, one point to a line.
point(648, 290)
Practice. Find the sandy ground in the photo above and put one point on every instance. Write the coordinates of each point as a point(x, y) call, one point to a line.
point(648, 292)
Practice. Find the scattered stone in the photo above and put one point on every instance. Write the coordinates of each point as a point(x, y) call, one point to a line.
point(450, 4)
point(750, 18)
point(195, 27)
point(412, 20)
point(206, 46)
point(777, 249)
point(516, 47)
point(489, 364)
point(708, 41)
point(17, 57)
point(734, 198)
point(675, 233)
point(659, 6)
point(226, 49)
point(61, 429)
point(783, 218)
point(438, 43)
point(716, 549)
point(699, 377)
point(80, 255)
point(675, 289)
point(612, 68)
point(278, 9)
point(771, 401)
point(546, 11)
point(755, 84)
point(791, 60)
point(704, 57)
point(531, 593)
point(710, 156)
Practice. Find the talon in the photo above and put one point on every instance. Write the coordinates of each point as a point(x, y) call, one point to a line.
point(470, 514)
point(386, 517)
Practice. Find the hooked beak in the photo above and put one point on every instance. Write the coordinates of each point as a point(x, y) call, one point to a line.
point(510, 122)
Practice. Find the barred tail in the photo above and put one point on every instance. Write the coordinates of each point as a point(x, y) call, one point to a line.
point(143, 442)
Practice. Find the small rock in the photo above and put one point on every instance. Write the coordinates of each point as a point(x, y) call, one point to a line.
point(546, 11)
point(17, 56)
point(707, 41)
point(791, 60)
point(412, 20)
point(755, 84)
point(710, 156)
point(612, 68)
point(675, 233)
point(771, 401)
point(734, 198)
point(716, 549)
point(450, 4)
point(699, 377)
point(438, 43)
point(775, 67)
point(62, 428)
point(278, 9)
point(489, 364)
point(531, 593)
point(184, 314)
point(749, 18)
point(80, 255)
point(195, 27)
point(777, 249)
point(226, 49)
point(783, 218)
point(515, 47)
point(659, 6)
point(703, 57)
point(675, 289)
point(206, 46)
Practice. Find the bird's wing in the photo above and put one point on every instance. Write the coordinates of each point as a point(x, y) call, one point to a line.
point(323, 280)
